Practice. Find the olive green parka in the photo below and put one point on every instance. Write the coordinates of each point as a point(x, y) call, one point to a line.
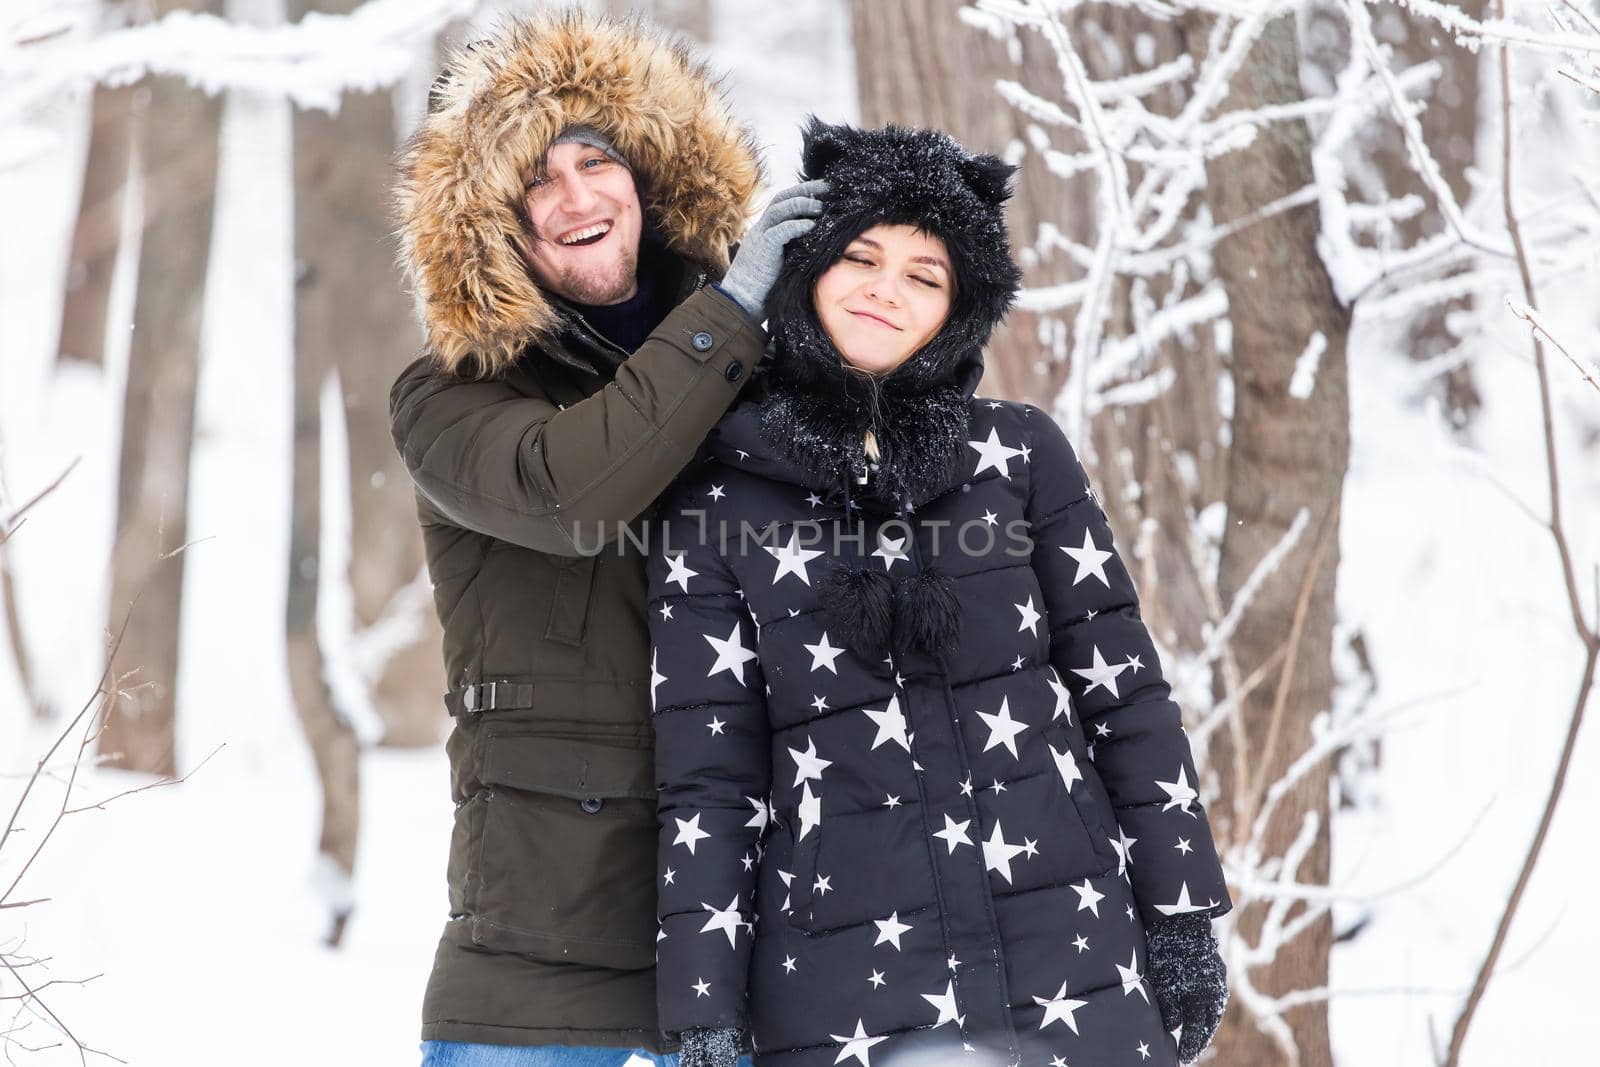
point(533, 442)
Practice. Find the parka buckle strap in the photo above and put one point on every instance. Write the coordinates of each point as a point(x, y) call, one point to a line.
point(489, 696)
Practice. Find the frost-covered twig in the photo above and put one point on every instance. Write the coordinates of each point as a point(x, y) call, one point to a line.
point(312, 62)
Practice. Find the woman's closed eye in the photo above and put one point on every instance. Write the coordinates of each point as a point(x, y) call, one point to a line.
point(865, 262)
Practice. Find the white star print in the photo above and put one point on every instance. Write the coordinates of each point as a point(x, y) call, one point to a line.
point(1058, 1061)
point(810, 810)
point(1131, 978)
point(689, 832)
point(1059, 1009)
point(1090, 558)
point(716, 492)
point(823, 654)
point(1067, 765)
point(1184, 846)
point(1143, 1048)
point(856, 1045)
point(1089, 898)
point(954, 833)
point(822, 887)
point(1080, 943)
point(876, 980)
point(1030, 617)
point(792, 558)
point(1180, 793)
point(891, 801)
point(731, 654)
point(1018, 663)
point(890, 930)
point(891, 550)
point(993, 454)
point(678, 571)
point(991, 518)
point(1003, 729)
point(818, 704)
point(666, 611)
point(966, 787)
point(702, 988)
point(1063, 698)
point(758, 821)
point(945, 1003)
point(807, 764)
point(728, 920)
point(1123, 846)
point(952, 962)
point(715, 726)
point(814, 500)
point(788, 964)
point(1184, 905)
point(656, 678)
point(998, 853)
point(891, 723)
point(1101, 673)
point(666, 879)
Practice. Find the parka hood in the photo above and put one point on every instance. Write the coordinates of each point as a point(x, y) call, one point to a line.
point(495, 110)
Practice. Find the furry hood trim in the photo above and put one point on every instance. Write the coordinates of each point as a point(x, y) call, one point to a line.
point(493, 113)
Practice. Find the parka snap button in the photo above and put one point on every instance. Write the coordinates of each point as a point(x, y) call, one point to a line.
point(592, 804)
point(702, 341)
point(734, 372)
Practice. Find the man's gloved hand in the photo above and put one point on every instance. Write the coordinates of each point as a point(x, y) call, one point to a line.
point(708, 1048)
point(755, 266)
point(1190, 980)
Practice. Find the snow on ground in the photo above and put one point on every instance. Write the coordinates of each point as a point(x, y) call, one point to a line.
point(194, 904)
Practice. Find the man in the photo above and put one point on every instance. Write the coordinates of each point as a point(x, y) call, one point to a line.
point(561, 208)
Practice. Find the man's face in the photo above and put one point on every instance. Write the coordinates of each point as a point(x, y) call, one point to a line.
point(586, 221)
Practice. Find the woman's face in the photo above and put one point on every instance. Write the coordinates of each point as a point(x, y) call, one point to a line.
point(885, 297)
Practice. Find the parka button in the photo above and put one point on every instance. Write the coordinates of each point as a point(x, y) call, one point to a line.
point(734, 372)
point(592, 805)
point(702, 341)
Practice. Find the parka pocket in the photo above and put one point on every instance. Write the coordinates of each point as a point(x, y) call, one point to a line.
point(565, 861)
point(569, 606)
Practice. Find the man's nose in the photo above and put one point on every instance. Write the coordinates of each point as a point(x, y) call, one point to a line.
point(576, 196)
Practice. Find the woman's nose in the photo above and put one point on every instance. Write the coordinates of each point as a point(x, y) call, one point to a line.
point(885, 290)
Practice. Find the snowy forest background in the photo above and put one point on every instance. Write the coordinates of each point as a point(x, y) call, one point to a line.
point(1311, 285)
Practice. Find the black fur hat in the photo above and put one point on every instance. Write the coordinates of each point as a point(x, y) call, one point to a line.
point(817, 407)
point(912, 177)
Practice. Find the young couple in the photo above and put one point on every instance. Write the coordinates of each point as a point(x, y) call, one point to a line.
point(875, 786)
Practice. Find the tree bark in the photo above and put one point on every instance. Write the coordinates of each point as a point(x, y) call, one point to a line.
point(351, 314)
point(1288, 454)
point(178, 153)
point(98, 230)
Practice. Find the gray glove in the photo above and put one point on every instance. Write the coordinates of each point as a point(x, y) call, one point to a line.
point(708, 1048)
point(1190, 980)
point(793, 211)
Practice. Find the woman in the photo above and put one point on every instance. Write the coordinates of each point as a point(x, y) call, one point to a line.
point(922, 785)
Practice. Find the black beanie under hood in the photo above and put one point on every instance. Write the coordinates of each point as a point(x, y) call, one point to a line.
point(817, 408)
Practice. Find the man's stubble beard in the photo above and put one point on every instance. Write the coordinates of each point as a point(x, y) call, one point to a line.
point(601, 287)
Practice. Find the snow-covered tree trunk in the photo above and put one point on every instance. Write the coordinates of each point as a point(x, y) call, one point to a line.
point(177, 149)
point(352, 315)
point(98, 228)
point(1289, 452)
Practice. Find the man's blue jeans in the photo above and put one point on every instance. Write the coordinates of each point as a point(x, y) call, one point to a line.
point(462, 1054)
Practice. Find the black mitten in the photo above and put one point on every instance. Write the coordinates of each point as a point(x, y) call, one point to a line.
point(703, 1047)
point(1190, 980)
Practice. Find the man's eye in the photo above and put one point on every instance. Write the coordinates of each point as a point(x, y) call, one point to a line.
point(594, 161)
point(536, 182)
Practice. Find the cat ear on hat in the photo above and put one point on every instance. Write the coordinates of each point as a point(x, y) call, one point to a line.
point(989, 177)
point(821, 145)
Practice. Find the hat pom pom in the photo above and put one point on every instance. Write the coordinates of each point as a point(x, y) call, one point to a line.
point(927, 614)
point(860, 607)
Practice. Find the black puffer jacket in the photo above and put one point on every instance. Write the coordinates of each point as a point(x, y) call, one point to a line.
point(927, 789)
